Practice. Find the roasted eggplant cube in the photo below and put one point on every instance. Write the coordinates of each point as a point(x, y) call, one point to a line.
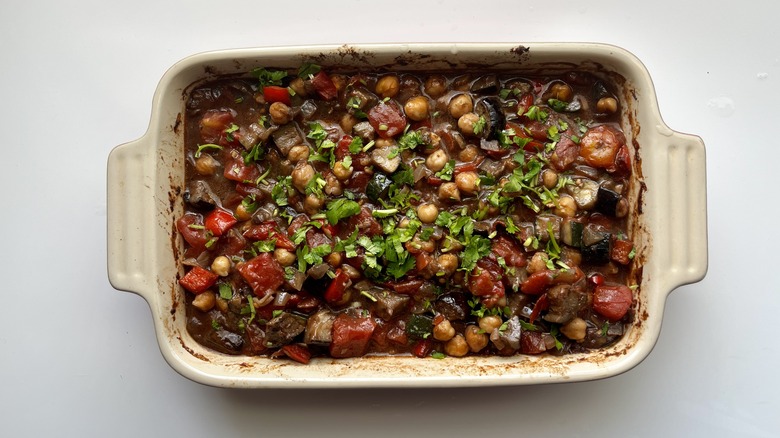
point(607, 201)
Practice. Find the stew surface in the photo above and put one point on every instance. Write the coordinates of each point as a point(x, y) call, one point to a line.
point(392, 213)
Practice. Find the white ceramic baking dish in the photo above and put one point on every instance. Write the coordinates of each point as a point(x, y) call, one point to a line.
point(145, 178)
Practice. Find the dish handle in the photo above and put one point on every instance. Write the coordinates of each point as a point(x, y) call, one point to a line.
point(130, 200)
point(687, 209)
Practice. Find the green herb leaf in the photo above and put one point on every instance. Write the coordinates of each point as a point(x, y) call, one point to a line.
point(341, 208)
point(203, 147)
point(268, 77)
point(308, 69)
point(225, 291)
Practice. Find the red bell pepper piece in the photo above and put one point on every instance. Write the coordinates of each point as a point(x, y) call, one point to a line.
point(486, 279)
point(337, 287)
point(541, 304)
point(269, 230)
point(324, 86)
point(422, 348)
point(537, 282)
point(192, 230)
point(621, 250)
point(273, 93)
point(219, 221)
point(198, 280)
point(297, 352)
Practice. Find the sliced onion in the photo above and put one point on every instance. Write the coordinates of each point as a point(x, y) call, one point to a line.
point(318, 271)
point(420, 172)
point(297, 281)
point(281, 299)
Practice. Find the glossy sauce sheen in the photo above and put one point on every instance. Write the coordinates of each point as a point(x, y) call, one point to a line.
point(406, 213)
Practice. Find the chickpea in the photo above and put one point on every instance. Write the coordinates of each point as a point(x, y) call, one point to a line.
point(561, 91)
point(566, 206)
point(298, 86)
point(416, 108)
point(538, 262)
point(427, 213)
point(476, 340)
point(206, 165)
point(302, 175)
point(467, 182)
point(221, 266)
point(205, 301)
point(443, 331)
point(280, 113)
point(466, 123)
point(347, 122)
point(449, 192)
point(334, 259)
point(549, 178)
point(342, 172)
point(298, 153)
point(437, 160)
point(242, 214)
point(460, 105)
point(404, 222)
point(284, 257)
point(332, 185)
point(435, 86)
point(456, 347)
point(468, 154)
point(607, 105)
point(575, 329)
point(387, 86)
point(489, 323)
point(448, 263)
point(312, 204)
point(222, 305)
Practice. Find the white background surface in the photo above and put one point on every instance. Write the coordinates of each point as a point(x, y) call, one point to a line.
point(80, 359)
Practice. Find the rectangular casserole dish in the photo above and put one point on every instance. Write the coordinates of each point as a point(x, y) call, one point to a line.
point(668, 197)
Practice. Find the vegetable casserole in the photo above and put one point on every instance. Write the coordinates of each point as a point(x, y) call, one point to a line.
point(343, 214)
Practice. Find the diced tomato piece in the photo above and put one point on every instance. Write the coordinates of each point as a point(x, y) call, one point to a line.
point(219, 221)
point(263, 273)
point(523, 103)
point(351, 335)
point(342, 147)
point(365, 223)
point(596, 279)
point(486, 279)
point(471, 166)
point(387, 118)
point(532, 342)
point(422, 348)
point(540, 305)
point(214, 123)
point(622, 161)
point(423, 259)
point(397, 333)
point(621, 250)
point(236, 170)
point(509, 249)
point(335, 291)
point(612, 301)
point(231, 244)
point(565, 153)
point(198, 280)
point(324, 86)
point(297, 352)
point(191, 228)
point(273, 93)
point(537, 282)
point(267, 231)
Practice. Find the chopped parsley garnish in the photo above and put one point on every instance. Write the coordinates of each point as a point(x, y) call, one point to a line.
point(281, 191)
point(446, 172)
point(268, 77)
point(225, 291)
point(308, 69)
point(535, 113)
point(341, 208)
point(479, 125)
